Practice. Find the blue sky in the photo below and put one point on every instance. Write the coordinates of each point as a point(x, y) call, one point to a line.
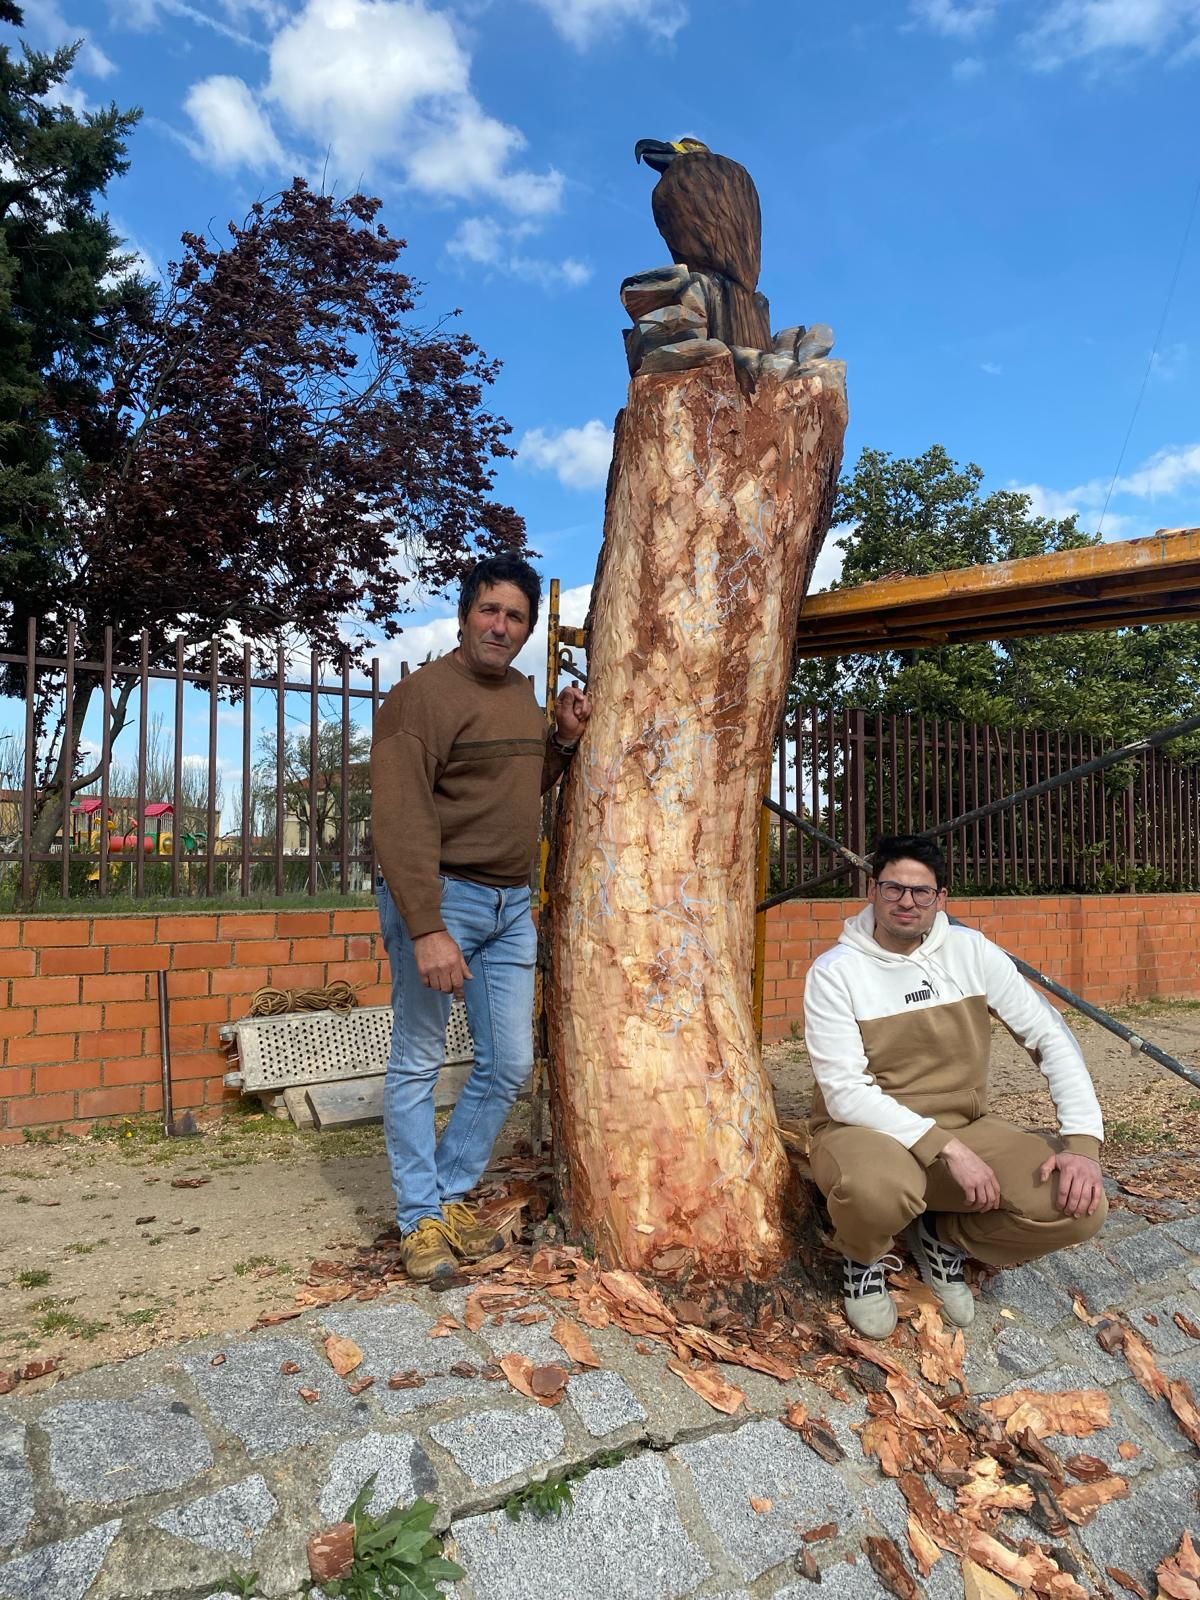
point(985, 198)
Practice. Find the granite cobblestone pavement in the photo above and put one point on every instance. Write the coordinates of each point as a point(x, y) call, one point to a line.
point(165, 1477)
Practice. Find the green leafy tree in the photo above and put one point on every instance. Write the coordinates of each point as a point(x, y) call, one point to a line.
point(910, 517)
point(65, 284)
point(265, 450)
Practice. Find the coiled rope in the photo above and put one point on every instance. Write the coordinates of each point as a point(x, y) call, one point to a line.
point(339, 996)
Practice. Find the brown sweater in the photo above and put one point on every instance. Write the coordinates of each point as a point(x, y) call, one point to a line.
point(458, 766)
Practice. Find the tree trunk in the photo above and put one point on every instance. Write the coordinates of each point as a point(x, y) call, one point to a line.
point(718, 500)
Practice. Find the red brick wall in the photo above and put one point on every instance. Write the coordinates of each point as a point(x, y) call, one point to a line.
point(79, 1010)
point(79, 1002)
point(1108, 948)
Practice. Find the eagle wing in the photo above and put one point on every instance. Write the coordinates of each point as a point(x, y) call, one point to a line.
point(706, 208)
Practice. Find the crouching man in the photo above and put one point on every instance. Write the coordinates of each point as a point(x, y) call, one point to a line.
point(897, 1026)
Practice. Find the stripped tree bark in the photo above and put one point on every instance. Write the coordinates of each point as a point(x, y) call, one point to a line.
point(718, 499)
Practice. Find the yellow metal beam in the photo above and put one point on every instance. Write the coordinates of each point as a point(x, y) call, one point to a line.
point(1156, 579)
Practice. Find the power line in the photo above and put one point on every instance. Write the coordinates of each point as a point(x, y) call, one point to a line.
point(1162, 323)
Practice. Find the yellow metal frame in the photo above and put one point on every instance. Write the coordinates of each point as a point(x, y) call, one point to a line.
point(1138, 581)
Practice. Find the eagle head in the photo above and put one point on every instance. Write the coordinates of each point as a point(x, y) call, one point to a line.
point(658, 154)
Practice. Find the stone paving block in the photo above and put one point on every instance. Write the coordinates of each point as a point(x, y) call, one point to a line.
point(624, 1540)
point(1025, 1290)
point(673, 1408)
point(232, 1519)
point(1186, 1231)
point(1164, 1335)
point(1020, 1350)
point(764, 1461)
point(107, 1452)
point(16, 1484)
point(1121, 1222)
point(1086, 1268)
point(839, 1582)
point(604, 1402)
point(1156, 1416)
point(251, 1397)
point(1148, 1255)
point(1100, 1366)
point(61, 1571)
point(396, 1339)
point(530, 1339)
point(403, 1470)
point(1137, 1533)
point(490, 1446)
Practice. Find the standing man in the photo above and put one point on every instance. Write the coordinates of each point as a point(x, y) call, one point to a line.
point(459, 762)
point(898, 1029)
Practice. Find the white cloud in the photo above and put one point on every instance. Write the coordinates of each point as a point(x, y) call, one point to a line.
point(143, 262)
point(966, 70)
point(144, 14)
point(579, 457)
point(1166, 474)
point(381, 81)
point(954, 21)
point(829, 563)
point(233, 129)
point(582, 22)
point(1167, 365)
point(485, 242)
point(47, 22)
point(992, 368)
point(1080, 29)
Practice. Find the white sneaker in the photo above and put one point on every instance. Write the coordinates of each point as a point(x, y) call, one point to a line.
point(870, 1309)
point(941, 1267)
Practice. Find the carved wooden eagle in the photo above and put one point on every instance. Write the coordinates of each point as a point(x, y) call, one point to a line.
point(706, 208)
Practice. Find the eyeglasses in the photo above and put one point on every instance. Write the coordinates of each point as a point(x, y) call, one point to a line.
point(893, 892)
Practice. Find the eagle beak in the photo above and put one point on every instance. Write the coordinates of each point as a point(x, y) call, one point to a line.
point(655, 153)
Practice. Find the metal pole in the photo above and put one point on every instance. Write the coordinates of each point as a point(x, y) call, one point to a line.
point(763, 877)
point(164, 1041)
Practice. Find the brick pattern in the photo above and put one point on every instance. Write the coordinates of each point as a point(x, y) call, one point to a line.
point(79, 1008)
point(1111, 949)
point(79, 1002)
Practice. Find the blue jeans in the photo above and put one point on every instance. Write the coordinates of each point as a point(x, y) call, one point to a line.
point(495, 932)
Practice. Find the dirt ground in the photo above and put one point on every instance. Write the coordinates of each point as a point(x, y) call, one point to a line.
point(113, 1244)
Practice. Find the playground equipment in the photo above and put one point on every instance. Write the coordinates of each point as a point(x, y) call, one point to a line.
point(156, 838)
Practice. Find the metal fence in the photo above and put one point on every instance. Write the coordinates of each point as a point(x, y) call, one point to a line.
point(301, 796)
point(302, 817)
point(856, 775)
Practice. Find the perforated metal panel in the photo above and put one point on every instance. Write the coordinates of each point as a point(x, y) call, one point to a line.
point(309, 1046)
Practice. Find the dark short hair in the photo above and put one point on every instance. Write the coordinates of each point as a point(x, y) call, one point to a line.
point(891, 847)
point(502, 569)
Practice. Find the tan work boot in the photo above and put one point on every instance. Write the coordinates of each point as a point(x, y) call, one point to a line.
point(472, 1239)
point(426, 1252)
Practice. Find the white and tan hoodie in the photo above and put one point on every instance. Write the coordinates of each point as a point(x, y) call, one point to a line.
point(901, 1043)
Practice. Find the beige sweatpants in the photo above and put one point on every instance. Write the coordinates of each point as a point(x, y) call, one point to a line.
point(874, 1188)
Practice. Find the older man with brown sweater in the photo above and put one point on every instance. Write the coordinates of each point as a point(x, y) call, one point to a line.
point(459, 762)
